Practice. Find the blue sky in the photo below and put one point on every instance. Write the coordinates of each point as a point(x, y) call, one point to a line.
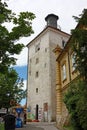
point(22, 71)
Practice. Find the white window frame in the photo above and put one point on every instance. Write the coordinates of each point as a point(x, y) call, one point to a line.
point(64, 71)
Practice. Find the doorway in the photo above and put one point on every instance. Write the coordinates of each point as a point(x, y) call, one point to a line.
point(37, 107)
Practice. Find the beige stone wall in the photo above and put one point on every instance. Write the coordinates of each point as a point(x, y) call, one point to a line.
point(46, 79)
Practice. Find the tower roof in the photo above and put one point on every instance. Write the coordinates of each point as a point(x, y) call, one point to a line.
point(51, 20)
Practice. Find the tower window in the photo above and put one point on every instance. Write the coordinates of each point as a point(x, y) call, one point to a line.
point(45, 65)
point(37, 60)
point(37, 74)
point(30, 60)
point(29, 72)
point(45, 49)
point(36, 90)
point(37, 47)
point(63, 43)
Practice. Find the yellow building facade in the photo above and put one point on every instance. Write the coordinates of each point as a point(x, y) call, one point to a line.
point(65, 73)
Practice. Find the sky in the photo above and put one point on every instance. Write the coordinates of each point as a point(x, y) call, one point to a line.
point(65, 9)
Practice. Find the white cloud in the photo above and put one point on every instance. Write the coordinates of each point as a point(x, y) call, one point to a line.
point(22, 58)
point(65, 9)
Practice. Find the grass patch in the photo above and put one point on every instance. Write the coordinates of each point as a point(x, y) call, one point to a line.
point(1, 126)
point(68, 128)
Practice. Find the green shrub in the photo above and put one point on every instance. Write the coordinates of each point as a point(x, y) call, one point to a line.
point(76, 102)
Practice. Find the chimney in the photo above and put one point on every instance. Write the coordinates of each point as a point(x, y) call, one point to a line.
point(51, 20)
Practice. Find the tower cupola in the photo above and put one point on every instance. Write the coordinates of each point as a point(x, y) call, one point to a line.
point(51, 20)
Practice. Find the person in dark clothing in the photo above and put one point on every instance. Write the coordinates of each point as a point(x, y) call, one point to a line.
point(25, 118)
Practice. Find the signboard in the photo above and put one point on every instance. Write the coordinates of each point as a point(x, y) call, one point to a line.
point(19, 110)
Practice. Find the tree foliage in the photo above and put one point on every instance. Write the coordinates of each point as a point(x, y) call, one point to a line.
point(76, 102)
point(11, 88)
point(76, 96)
point(22, 27)
point(79, 41)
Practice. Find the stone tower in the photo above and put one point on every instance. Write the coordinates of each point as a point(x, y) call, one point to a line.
point(41, 84)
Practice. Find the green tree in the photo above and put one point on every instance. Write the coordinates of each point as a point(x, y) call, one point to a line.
point(9, 45)
point(76, 96)
point(79, 44)
point(76, 102)
point(11, 89)
point(11, 86)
